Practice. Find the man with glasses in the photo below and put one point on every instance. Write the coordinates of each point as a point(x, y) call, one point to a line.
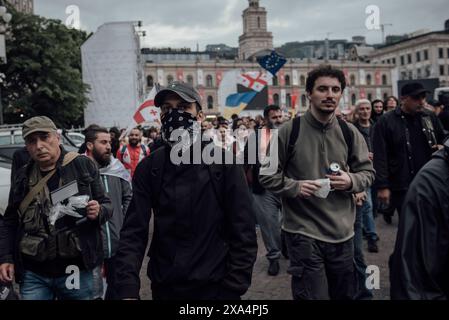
point(403, 142)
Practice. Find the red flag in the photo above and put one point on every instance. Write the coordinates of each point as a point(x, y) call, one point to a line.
point(180, 75)
point(219, 76)
point(281, 78)
point(270, 96)
point(378, 78)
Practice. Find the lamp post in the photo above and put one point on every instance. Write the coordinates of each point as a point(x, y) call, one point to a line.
point(5, 19)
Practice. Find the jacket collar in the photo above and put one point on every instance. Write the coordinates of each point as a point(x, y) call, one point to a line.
point(317, 124)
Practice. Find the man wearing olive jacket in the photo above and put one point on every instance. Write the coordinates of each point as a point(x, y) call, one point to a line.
point(319, 231)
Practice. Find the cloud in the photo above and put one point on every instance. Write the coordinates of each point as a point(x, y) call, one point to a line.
point(185, 23)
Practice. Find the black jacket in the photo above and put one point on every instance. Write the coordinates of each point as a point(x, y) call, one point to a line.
point(392, 157)
point(86, 173)
point(420, 262)
point(198, 239)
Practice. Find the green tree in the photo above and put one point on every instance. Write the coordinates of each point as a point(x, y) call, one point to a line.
point(43, 71)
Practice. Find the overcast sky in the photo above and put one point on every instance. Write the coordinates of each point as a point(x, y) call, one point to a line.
point(184, 23)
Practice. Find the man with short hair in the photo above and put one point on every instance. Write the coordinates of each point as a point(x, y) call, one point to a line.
point(318, 225)
point(43, 248)
point(117, 183)
point(130, 155)
point(204, 243)
point(267, 205)
point(403, 142)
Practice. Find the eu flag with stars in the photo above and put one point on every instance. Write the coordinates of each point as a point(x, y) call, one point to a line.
point(272, 62)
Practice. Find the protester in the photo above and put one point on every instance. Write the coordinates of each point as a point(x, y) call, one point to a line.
point(319, 227)
point(47, 246)
point(117, 183)
point(130, 155)
point(204, 242)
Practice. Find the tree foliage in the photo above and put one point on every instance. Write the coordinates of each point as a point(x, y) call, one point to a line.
point(43, 71)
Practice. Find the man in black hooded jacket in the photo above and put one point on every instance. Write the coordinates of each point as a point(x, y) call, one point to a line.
point(419, 264)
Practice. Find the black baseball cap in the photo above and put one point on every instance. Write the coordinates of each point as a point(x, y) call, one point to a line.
point(182, 89)
point(413, 89)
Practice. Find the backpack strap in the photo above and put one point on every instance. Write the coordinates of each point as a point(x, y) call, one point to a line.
point(294, 134)
point(348, 136)
point(69, 157)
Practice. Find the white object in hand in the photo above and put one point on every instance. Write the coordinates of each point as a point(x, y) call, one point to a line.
point(323, 192)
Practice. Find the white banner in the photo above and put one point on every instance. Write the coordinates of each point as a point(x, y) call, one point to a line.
point(378, 93)
point(200, 77)
point(295, 78)
point(283, 98)
point(362, 77)
point(160, 76)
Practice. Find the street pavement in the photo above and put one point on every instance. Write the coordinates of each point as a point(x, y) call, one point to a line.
point(265, 287)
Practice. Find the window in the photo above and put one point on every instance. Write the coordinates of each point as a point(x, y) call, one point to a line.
point(441, 70)
point(352, 80)
point(209, 81)
point(276, 99)
point(418, 56)
point(302, 81)
point(287, 80)
point(210, 102)
point(409, 58)
point(353, 99)
point(403, 75)
point(427, 69)
point(169, 79)
point(385, 96)
point(394, 60)
point(258, 22)
point(150, 81)
point(440, 53)
point(426, 54)
point(304, 100)
point(388, 61)
point(368, 79)
point(289, 100)
point(448, 53)
point(410, 75)
point(370, 97)
point(190, 80)
point(275, 81)
point(418, 73)
point(384, 80)
point(402, 60)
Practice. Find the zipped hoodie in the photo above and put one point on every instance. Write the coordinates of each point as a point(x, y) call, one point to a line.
point(332, 219)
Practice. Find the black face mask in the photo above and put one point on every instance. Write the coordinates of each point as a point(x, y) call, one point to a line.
point(174, 120)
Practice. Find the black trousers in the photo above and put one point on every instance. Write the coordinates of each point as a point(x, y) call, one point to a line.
point(110, 279)
point(396, 201)
point(321, 270)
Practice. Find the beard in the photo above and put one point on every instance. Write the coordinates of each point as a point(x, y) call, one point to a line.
point(133, 142)
point(103, 160)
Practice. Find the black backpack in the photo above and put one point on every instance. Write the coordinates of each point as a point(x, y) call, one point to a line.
point(157, 165)
point(294, 134)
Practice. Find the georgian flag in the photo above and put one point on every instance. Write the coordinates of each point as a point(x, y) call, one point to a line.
point(254, 80)
point(147, 112)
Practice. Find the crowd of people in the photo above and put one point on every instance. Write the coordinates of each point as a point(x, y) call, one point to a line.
point(337, 170)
